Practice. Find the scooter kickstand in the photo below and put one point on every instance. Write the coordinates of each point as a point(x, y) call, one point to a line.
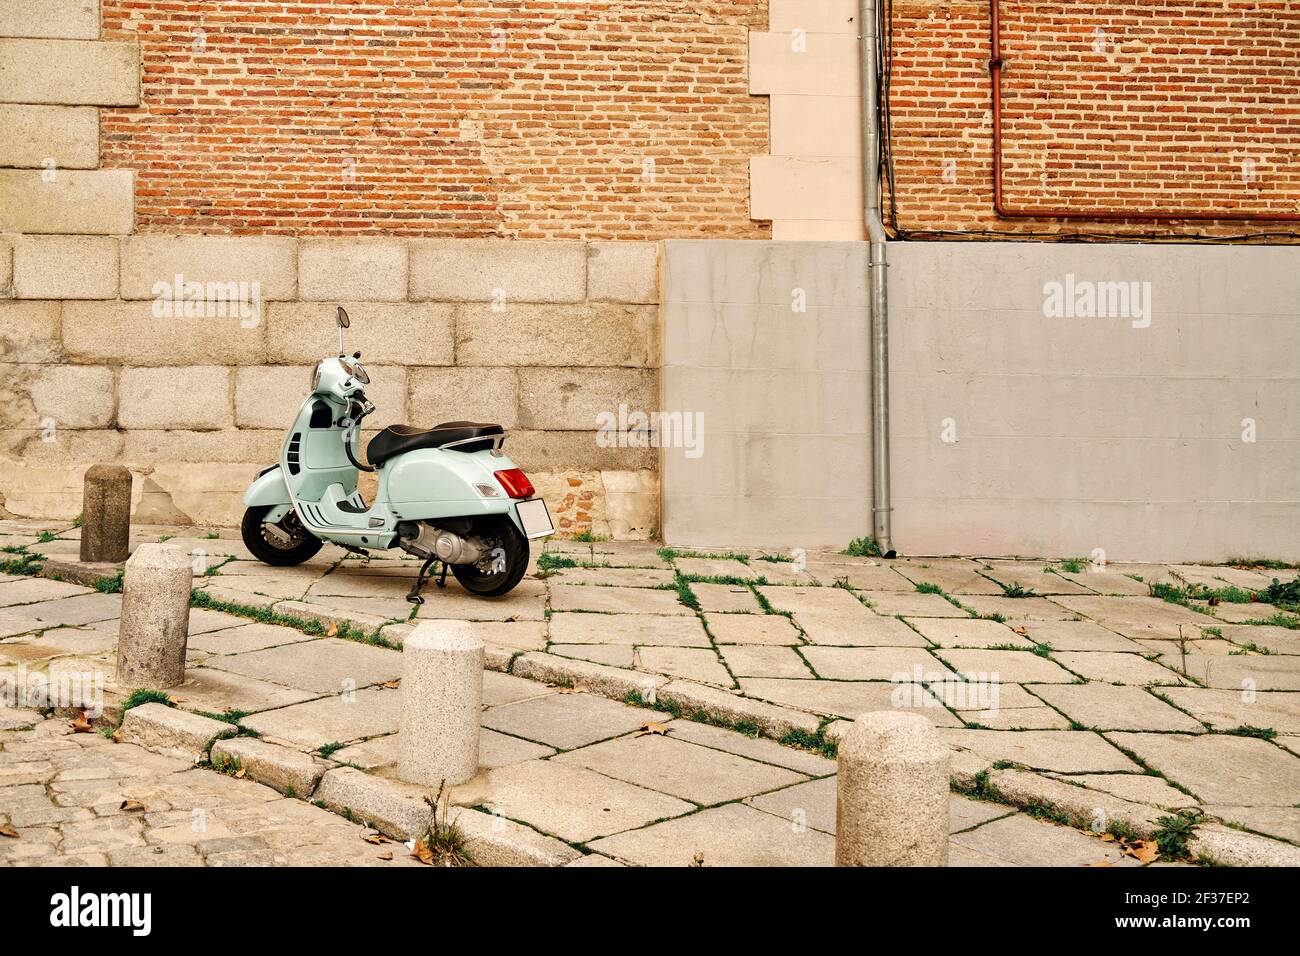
point(442, 578)
point(414, 594)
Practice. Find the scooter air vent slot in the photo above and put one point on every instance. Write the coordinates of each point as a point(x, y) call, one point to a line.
point(291, 456)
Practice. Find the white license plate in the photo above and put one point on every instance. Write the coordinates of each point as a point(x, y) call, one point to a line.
point(535, 518)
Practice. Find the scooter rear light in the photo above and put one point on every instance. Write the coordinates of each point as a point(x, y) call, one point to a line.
point(515, 482)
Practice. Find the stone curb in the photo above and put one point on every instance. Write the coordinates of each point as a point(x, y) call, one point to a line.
point(77, 572)
point(495, 841)
point(1025, 789)
point(282, 769)
point(612, 682)
point(1231, 847)
point(176, 733)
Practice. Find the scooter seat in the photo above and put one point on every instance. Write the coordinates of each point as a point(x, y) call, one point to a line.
point(399, 439)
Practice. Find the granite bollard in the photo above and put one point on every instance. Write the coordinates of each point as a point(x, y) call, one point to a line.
point(892, 793)
point(442, 696)
point(155, 623)
point(106, 514)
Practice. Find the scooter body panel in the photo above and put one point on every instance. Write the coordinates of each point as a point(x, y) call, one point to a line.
point(267, 488)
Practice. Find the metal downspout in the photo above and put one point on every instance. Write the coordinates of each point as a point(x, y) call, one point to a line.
point(881, 509)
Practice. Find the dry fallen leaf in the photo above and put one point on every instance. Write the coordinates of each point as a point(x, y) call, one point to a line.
point(1108, 838)
point(81, 725)
point(423, 853)
point(386, 855)
point(652, 728)
point(332, 630)
point(1100, 863)
point(1144, 851)
point(7, 830)
point(376, 838)
point(1021, 630)
point(392, 684)
point(575, 689)
point(117, 736)
point(132, 806)
point(697, 860)
point(513, 617)
point(240, 773)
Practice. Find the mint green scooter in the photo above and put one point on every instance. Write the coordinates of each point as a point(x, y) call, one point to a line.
point(446, 494)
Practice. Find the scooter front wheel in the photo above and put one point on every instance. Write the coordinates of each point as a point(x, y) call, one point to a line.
point(301, 545)
point(504, 564)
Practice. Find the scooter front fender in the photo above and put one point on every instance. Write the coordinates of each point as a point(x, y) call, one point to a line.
point(268, 488)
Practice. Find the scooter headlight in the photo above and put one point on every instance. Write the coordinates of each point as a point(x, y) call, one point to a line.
point(315, 376)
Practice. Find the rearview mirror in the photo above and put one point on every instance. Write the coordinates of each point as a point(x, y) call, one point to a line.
point(343, 320)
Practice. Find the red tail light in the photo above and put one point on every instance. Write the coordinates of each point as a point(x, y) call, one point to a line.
point(516, 483)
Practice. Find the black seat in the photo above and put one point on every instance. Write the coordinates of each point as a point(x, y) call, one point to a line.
point(397, 439)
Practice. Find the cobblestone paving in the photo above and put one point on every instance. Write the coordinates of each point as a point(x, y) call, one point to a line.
point(1085, 692)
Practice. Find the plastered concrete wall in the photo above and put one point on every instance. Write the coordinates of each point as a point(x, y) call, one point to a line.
point(1170, 431)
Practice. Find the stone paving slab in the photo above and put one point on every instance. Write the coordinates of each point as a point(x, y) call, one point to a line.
point(1117, 668)
point(1278, 640)
point(1032, 576)
point(1078, 636)
point(875, 663)
point(242, 638)
point(1107, 707)
point(693, 663)
point(827, 600)
point(715, 568)
point(757, 660)
point(614, 577)
point(681, 769)
point(911, 604)
point(876, 577)
point(578, 597)
point(1021, 667)
point(726, 598)
point(566, 721)
point(771, 629)
point(1017, 611)
point(655, 629)
point(571, 803)
point(968, 632)
point(856, 629)
point(1229, 709)
point(842, 698)
point(1060, 751)
point(731, 835)
point(339, 719)
point(1270, 775)
point(216, 691)
point(614, 655)
point(755, 748)
point(325, 666)
point(955, 577)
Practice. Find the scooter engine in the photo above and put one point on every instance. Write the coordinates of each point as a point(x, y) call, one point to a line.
point(425, 541)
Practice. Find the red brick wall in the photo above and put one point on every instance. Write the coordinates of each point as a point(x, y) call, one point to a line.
point(357, 117)
point(1181, 96)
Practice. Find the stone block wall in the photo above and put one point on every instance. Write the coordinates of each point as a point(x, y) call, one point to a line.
point(539, 336)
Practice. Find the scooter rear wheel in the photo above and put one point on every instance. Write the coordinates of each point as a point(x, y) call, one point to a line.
point(304, 544)
point(500, 572)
